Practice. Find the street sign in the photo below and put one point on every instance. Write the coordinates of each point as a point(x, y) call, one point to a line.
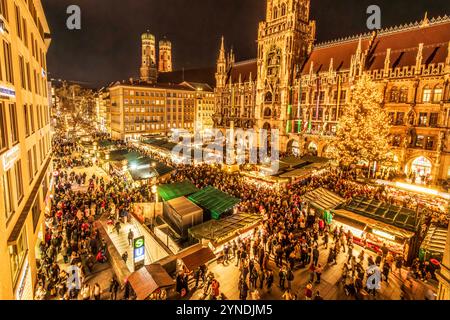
point(139, 252)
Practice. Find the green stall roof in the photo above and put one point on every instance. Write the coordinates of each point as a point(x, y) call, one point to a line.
point(215, 201)
point(175, 190)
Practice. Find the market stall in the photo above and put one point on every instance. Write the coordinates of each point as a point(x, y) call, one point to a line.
point(323, 199)
point(197, 258)
point(374, 224)
point(151, 282)
point(175, 190)
point(182, 214)
point(218, 232)
point(214, 201)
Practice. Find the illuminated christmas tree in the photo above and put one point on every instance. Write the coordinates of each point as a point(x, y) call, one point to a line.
point(363, 130)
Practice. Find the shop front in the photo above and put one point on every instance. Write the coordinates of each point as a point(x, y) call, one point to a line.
point(24, 286)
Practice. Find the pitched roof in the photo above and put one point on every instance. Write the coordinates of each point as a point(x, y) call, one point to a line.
point(214, 200)
point(244, 69)
point(403, 41)
point(175, 190)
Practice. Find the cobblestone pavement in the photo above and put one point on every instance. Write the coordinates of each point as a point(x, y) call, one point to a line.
point(330, 287)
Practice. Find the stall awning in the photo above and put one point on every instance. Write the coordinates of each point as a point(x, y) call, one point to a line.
point(323, 199)
point(175, 190)
point(401, 217)
point(218, 230)
point(214, 200)
point(374, 224)
point(197, 258)
point(148, 279)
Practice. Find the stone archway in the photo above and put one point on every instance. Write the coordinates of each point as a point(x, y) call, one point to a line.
point(313, 148)
point(420, 169)
point(293, 148)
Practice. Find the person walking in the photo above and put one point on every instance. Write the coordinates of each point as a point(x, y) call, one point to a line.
point(130, 237)
point(243, 289)
point(114, 288)
point(269, 281)
point(289, 278)
point(315, 254)
point(318, 272)
point(282, 278)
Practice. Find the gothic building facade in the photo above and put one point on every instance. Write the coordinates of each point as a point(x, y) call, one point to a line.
point(302, 88)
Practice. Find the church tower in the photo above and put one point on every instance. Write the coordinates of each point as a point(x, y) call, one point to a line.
point(165, 56)
point(221, 72)
point(285, 40)
point(148, 66)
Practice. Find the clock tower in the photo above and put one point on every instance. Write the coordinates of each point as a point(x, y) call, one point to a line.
point(285, 40)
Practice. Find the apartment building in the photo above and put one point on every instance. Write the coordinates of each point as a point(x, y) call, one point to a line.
point(25, 143)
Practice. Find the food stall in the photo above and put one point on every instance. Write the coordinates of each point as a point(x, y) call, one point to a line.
point(374, 223)
point(215, 233)
point(151, 282)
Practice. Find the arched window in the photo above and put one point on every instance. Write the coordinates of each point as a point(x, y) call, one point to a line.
point(426, 94)
point(394, 95)
point(267, 112)
point(275, 13)
point(437, 94)
point(268, 97)
point(283, 9)
point(403, 95)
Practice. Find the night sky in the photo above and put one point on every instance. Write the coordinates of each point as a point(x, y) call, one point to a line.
point(107, 48)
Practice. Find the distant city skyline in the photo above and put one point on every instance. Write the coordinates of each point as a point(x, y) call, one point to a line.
point(107, 48)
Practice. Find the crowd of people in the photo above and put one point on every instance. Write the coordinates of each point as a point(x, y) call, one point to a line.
point(291, 235)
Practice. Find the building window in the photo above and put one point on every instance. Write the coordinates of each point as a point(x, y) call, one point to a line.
point(437, 94)
point(36, 211)
point(17, 254)
point(426, 96)
point(4, 9)
point(14, 126)
point(32, 118)
point(400, 118)
point(394, 95)
point(434, 119)
point(420, 141)
point(8, 62)
point(3, 128)
point(19, 180)
point(27, 123)
point(403, 97)
point(22, 72)
point(7, 194)
point(35, 163)
point(429, 143)
point(423, 117)
point(30, 166)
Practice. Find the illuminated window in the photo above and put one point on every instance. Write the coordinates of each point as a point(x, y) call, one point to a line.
point(437, 95)
point(426, 96)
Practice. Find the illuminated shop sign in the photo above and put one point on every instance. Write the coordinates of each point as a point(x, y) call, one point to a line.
point(7, 92)
point(10, 157)
point(383, 234)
